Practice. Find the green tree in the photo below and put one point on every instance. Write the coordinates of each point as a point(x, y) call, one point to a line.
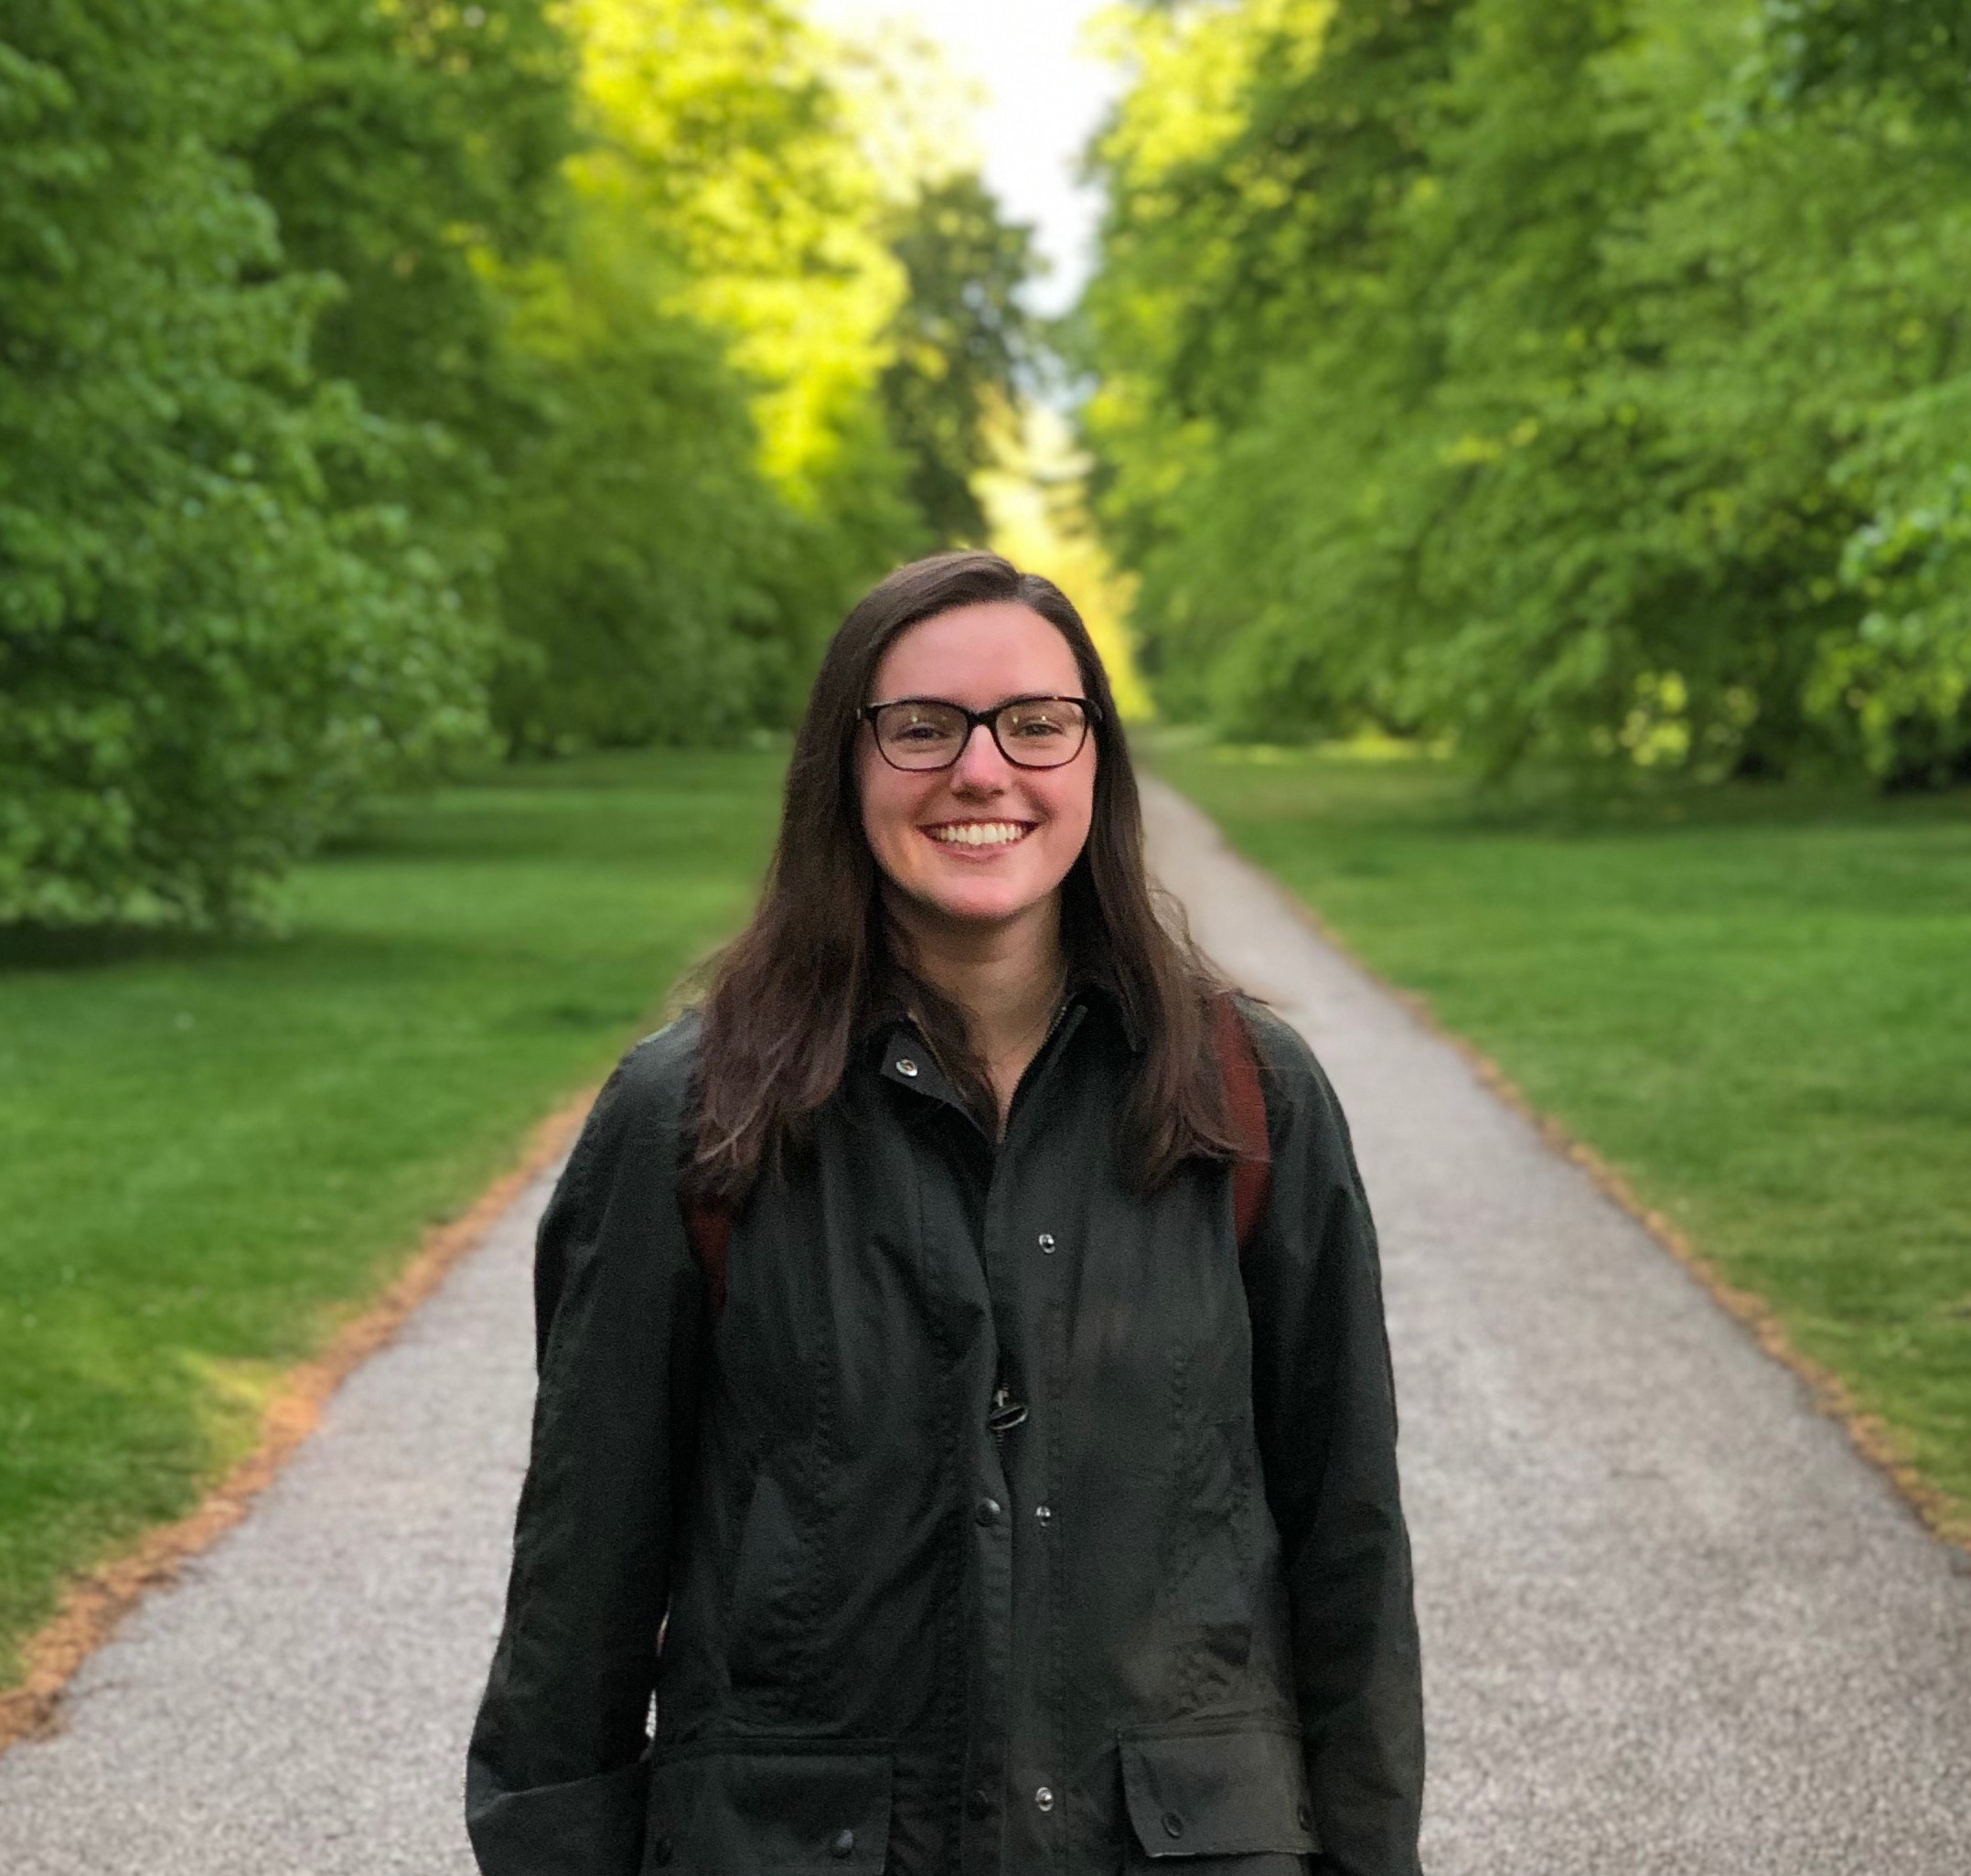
point(364, 358)
point(652, 578)
point(414, 149)
point(1901, 684)
point(1921, 48)
point(962, 342)
point(706, 476)
point(204, 653)
point(1627, 427)
point(1255, 175)
point(413, 155)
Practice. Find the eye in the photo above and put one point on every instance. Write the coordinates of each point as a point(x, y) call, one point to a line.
point(914, 730)
point(1040, 723)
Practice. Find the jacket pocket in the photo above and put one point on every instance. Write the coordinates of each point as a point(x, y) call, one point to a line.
point(786, 1807)
point(1236, 1791)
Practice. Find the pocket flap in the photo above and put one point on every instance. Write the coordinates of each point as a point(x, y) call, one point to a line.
point(738, 1813)
point(1227, 1792)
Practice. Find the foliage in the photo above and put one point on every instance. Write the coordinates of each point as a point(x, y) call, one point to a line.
point(1922, 48)
point(652, 577)
point(414, 156)
point(707, 475)
point(1035, 501)
point(369, 363)
point(1619, 424)
point(416, 146)
point(749, 260)
point(719, 130)
point(961, 339)
point(206, 651)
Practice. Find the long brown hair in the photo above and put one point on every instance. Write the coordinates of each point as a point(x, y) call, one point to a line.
point(789, 997)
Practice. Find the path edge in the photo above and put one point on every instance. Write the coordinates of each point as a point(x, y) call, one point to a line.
point(1868, 1432)
point(95, 1601)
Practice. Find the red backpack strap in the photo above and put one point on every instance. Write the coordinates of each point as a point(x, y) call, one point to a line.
point(1245, 1099)
point(710, 1230)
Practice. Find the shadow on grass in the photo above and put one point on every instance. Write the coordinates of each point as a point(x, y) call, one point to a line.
point(95, 947)
point(656, 808)
point(608, 805)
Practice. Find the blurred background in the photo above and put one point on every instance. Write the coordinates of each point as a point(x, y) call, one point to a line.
point(1515, 455)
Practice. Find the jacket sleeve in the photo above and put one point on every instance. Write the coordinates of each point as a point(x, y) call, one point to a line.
point(1324, 1406)
point(556, 1773)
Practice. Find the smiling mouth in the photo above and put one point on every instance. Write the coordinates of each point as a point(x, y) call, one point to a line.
point(978, 833)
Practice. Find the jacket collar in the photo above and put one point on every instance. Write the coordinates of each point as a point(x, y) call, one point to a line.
point(1092, 984)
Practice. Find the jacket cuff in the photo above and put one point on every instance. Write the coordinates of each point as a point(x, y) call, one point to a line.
point(589, 1826)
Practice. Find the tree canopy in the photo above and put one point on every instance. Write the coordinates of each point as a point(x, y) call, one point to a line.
point(1575, 381)
point(384, 381)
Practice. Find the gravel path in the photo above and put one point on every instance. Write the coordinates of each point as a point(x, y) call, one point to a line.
point(297, 1705)
point(1672, 1625)
point(1671, 1622)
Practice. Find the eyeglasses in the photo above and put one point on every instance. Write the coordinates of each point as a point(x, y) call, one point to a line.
point(927, 733)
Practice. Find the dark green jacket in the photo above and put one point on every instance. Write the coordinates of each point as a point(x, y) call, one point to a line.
point(1167, 1614)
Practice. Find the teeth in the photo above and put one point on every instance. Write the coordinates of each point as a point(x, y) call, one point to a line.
point(978, 833)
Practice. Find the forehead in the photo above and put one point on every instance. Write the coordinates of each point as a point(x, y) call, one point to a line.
point(977, 655)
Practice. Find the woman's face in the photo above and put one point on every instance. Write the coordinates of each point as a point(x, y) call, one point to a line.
point(1026, 825)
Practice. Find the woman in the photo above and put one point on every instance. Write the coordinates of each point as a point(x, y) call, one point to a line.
point(967, 1496)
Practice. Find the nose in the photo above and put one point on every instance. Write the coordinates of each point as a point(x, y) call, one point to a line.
point(980, 767)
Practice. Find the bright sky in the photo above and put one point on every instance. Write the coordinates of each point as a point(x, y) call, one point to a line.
point(1044, 96)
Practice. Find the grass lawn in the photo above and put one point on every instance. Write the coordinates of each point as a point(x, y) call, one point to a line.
point(1756, 1002)
point(219, 1150)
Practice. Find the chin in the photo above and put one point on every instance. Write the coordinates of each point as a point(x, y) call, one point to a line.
point(980, 904)
point(967, 910)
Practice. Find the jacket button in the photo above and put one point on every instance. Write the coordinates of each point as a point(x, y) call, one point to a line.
point(661, 1851)
point(1044, 1514)
point(988, 1511)
point(905, 1066)
point(843, 1845)
point(1172, 1824)
point(980, 1802)
point(1043, 1797)
point(1046, 1240)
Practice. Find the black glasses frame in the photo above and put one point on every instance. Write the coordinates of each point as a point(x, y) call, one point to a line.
point(1091, 713)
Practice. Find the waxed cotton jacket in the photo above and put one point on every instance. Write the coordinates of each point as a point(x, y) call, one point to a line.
point(1162, 1619)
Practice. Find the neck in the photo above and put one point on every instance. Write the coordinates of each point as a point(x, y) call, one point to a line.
point(1005, 977)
